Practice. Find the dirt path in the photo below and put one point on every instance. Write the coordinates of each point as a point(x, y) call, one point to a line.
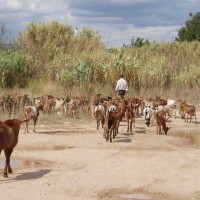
point(71, 160)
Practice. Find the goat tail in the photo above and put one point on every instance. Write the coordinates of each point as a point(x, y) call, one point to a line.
point(24, 121)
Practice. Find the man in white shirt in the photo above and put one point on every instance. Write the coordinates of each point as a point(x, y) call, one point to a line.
point(122, 86)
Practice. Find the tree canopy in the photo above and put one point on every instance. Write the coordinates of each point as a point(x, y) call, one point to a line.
point(191, 31)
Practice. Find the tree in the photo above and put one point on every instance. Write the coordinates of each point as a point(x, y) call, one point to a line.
point(2, 32)
point(191, 31)
point(139, 42)
point(3, 44)
point(6, 40)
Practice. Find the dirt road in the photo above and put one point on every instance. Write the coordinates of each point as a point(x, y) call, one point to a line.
point(69, 160)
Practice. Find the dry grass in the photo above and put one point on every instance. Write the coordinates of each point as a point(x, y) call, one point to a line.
point(194, 137)
point(197, 195)
point(190, 94)
point(43, 88)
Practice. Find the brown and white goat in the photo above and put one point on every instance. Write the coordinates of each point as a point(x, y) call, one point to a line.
point(32, 112)
point(99, 114)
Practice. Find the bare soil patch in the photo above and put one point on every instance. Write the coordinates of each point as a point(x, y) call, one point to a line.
point(69, 159)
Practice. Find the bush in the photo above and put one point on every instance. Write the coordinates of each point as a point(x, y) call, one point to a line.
point(15, 69)
point(67, 78)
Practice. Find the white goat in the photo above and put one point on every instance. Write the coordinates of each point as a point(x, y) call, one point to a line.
point(172, 104)
point(59, 105)
point(148, 113)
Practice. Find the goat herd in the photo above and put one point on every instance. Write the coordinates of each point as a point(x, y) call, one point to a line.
point(107, 111)
point(110, 112)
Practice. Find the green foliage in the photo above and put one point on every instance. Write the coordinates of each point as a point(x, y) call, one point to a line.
point(162, 65)
point(190, 75)
point(84, 71)
point(53, 53)
point(191, 31)
point(67, 78)
point(54, 45)
point(139, 42)
point(15, 69)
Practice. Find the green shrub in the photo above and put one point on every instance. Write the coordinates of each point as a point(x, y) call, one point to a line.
point(67, 78)
point(15, 69)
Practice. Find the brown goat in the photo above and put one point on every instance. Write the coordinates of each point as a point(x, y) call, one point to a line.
point(32, 112)
point(112, 119)
point(138, 104)
point(160, 102)
point(166, 111)
point(161, 123)
point(9, 131)
point(130, 116)
point(190, 110)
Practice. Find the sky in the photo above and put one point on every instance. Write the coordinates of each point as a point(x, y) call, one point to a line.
point(117, 21)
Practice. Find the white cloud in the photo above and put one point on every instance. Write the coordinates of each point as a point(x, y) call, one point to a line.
point(130, 2)
point(14, 4)
point(117, 21)
point(193, 1)
point(46, 6)
point(34, 5)
point(118, 38)
point(71, 17)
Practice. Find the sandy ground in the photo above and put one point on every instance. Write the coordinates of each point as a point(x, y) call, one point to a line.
point(69, 160)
